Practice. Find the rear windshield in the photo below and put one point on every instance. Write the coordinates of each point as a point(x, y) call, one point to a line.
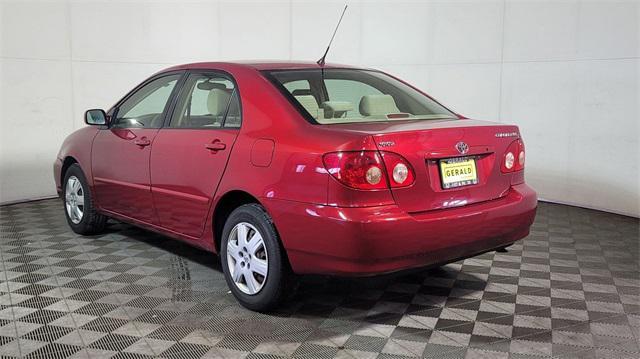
point(332, 96)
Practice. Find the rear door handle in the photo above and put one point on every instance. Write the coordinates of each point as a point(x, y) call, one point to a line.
point(142, 142)
point(215, 146)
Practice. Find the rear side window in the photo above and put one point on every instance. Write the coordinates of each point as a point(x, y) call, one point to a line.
point(207, 101)
point(144, 107)
point(335, 96)
point(234, 118)
point(299, 87)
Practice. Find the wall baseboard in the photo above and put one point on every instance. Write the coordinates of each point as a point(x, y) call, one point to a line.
point(621, 213)
point(28, 200)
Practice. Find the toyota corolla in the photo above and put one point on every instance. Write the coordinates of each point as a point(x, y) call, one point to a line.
point(297, 168)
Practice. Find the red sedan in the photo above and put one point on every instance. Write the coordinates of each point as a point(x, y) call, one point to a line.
point(297, 168)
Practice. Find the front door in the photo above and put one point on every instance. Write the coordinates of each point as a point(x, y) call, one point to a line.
point(120, 154)
point(190, 153)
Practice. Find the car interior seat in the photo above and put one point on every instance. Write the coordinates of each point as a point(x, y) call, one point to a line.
point(310, 104)
point(217, 103)
point(377, 105)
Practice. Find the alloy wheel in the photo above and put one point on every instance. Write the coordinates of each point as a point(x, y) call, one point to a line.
point(247, 258)
point(74, 199)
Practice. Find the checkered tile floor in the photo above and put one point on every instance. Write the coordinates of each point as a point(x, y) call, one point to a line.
point(570, 289)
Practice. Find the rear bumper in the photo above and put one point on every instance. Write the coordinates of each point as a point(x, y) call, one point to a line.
point(375, 240)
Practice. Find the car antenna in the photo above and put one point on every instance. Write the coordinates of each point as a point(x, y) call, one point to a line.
point(321, 61)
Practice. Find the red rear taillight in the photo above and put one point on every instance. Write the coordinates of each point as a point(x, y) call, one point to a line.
point(399, 171)
point(513, 159)
point(360, 170)
point(366, 170)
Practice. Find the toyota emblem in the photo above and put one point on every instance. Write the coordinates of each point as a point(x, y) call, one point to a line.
point(462, 147)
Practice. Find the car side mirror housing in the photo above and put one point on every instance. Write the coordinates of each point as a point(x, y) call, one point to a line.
point(95, 117)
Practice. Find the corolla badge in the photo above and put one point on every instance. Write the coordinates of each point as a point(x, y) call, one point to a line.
point(462, 147)
point(506, 134)
point(386, 143)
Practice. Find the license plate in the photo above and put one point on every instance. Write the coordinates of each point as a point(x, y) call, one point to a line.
point(458, 172)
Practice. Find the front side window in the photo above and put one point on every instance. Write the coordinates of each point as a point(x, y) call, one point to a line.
point(207, 101)
point(333, 96)
point(144, 107)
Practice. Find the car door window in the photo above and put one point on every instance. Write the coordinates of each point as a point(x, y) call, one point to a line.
point(206, 100)
point(144, 108)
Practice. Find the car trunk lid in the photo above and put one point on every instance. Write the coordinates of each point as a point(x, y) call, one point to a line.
point(426, 144)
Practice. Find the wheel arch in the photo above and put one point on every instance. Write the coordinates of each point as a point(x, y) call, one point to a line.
point(66, 163)
point(225, 205)
point(229, 202)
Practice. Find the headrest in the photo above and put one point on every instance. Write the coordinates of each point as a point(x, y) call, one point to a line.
point(378, 105)
point(301, 92)
point(309, 103)
point(207, 86)
point(217, 101)
point(336, 109)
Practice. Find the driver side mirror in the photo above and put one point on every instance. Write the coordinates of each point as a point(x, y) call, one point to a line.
point(95, 117)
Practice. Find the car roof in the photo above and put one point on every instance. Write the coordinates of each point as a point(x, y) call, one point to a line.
point(258, 65)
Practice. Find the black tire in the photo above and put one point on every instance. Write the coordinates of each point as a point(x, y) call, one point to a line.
point(91, 222)
point(279, 279)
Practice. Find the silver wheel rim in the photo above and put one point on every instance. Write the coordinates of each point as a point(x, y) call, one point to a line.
point(74, 199)
point(247, 258)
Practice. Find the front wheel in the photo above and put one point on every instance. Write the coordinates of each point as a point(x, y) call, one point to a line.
point(78, 203)
point(252, 259)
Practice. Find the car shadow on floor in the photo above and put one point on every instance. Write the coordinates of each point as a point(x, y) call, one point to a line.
point(176, 247)
point(327, 304)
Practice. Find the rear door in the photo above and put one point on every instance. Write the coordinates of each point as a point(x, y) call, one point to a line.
point(190, 152)
point(120, 154)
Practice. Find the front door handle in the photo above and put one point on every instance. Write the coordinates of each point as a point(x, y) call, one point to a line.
point(142, 142)
point(215, 146)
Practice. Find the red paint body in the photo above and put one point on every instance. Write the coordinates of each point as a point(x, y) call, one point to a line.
point(174, 184)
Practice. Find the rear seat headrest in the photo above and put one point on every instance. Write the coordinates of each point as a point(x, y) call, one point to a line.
point(310, 104)
point(378, 105)
point(336, 109)
point(217, 101)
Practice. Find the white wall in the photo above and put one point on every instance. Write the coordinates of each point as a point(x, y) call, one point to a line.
point(567, 72)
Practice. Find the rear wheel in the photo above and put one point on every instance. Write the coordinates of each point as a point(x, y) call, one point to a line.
point(252, 258)
point(81, 216)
